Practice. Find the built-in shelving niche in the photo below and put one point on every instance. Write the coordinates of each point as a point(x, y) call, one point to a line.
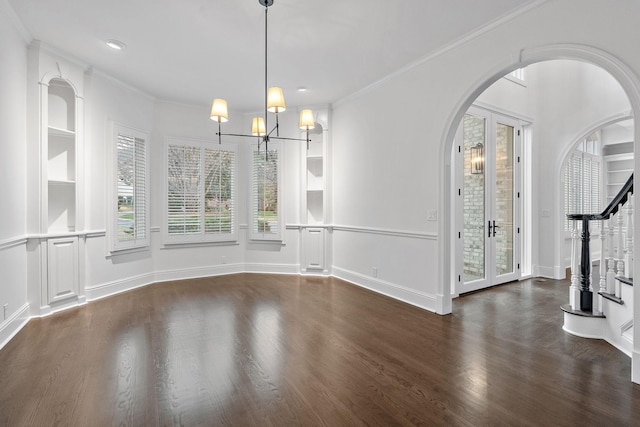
point(315, 176)
point(314, 233)
point(61, 157)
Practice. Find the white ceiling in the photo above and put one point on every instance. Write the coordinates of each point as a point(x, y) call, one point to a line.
point(195, 50)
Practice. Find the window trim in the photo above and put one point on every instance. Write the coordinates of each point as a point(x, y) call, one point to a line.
point(594, 156)
point(116, 246)
point(277, 238)
point(201, 237)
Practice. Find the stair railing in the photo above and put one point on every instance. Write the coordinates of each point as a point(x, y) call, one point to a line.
point(619, 260)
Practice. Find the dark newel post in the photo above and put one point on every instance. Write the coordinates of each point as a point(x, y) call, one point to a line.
point(586, 296)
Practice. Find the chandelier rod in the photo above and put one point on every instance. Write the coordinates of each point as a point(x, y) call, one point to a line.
point(266, 84)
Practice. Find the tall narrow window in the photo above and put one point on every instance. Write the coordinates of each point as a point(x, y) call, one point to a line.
point(583, 180)
point(266, 210)
point(201, 186)
point(131, 227)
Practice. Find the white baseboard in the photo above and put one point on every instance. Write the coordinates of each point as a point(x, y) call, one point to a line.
point(272, 268)
point(556, 272)
point(59, 306)
point(13, 324)
point(194, 273)
point(410, 296)
point(117, 286)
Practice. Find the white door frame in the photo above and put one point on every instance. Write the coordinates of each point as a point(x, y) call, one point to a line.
point(491, 119)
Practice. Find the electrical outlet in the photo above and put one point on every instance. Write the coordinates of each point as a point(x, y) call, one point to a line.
point(224, 259)
point(375, 272)
point(5, 308)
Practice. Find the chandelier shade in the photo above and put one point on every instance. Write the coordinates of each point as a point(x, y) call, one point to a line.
point(275, 100)
point(257, 127)
point(306, 120)
point(219, 111)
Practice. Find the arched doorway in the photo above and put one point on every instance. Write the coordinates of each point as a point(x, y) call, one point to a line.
point(618, 70)
point(580, 53)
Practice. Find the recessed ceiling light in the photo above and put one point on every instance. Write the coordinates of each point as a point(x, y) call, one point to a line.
point(302, 89)
point(116, 44)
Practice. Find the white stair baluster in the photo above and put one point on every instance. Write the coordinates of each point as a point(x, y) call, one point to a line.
point(620, 248)
point(628, 257)
point(602, 285)
point(611, 274)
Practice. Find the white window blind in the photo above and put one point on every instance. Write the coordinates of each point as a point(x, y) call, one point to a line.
point(266, 218)
point(583, 182)
point(201, 187)
point(183, 190)
point(131, 219)
point(518, 74)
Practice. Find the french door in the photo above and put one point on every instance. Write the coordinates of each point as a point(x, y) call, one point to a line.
point(488, 203)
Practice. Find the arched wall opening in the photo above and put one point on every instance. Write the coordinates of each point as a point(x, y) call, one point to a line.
point(616, 68)
point(613, 137)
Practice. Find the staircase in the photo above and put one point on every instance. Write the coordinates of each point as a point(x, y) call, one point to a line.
point(603, 310)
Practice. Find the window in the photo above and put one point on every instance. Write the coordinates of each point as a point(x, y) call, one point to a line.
point(201, 188)
point(517, 76)
point(266, 207)
point(583, 181)
point(131, 219)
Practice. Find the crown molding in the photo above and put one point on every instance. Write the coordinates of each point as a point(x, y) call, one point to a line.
point(495, 23)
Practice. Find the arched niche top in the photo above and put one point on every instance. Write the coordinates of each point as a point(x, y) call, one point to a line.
point(48, 78)
point(61, 101)
point(318, 128)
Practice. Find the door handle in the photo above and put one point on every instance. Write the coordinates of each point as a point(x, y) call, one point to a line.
point(489, 233)
point(494, 228)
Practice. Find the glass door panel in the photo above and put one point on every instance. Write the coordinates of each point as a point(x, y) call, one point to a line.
point(474, 134)
point(503, 211)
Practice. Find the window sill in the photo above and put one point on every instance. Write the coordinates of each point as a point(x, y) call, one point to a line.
point(178, 245)
point(273, 242)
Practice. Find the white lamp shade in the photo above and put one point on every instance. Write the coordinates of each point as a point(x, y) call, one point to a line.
point(306, 120)
point(257, 127)
point(219, 110)
point(275, 100)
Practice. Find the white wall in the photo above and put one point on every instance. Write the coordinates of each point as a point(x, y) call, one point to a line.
point(386, 163)
point(13, 170)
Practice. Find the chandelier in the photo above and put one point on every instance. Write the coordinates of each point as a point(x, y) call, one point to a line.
point(273, 103)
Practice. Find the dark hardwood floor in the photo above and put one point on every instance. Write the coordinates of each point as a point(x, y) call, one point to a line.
point(269, 350)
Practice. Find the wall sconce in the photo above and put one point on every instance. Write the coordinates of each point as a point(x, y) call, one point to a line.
point(477, 159)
